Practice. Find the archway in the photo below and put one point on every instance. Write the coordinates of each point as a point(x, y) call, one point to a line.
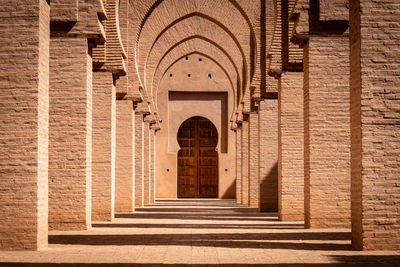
point(197, 159)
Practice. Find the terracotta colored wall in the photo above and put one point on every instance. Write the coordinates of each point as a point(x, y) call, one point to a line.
point(245, 162)
point(103, 152)
point(239, 165)
point(268, 131)
point(291, 147)
point(139, 159)
point(125, 165)
point(327, 132)
point(375, 126)
point(70, 134)
point(254, 179)
point(24, 124)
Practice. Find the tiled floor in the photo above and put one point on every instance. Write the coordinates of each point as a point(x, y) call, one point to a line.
point(199, 232)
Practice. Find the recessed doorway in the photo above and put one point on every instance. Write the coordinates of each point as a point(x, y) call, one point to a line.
point(197, 159)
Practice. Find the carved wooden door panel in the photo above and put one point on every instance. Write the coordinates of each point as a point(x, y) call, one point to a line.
point(197, 159)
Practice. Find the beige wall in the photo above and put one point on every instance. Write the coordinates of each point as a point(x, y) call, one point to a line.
point(181, 97)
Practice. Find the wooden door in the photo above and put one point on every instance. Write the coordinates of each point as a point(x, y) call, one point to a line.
point(197, 159)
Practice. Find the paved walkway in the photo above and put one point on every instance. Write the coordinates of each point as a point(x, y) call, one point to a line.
point(199, 232)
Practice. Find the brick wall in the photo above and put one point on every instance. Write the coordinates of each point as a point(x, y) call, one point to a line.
point(139, 159)
point(268, 154)
point(125, 165)
point(70, 132)
point(254, 182)
point(327, 132)
point(245, 162)
point(152, 165)
point(291, 147)
point(375, 125)
point(24, 82)
point(146, 158)
point(239, 165)
point(103, 152)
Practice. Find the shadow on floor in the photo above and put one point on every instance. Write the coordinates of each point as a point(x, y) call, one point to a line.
point(296, 241)
point(200, 226)
point(342, 260)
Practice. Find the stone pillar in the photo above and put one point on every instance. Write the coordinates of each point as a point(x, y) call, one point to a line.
point(268, 131)
point(254, 182)
point(24, 109)
point(239, 165)
point(245, 162)
point(291, 147)
point(375, 124)
point(152, 165)
point(103, 151)
point(146, 164)
point(139, 159)
point(125, 151)
point(70, 134)
point(326, 133)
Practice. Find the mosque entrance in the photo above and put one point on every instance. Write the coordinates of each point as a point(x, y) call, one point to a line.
point(197, 159)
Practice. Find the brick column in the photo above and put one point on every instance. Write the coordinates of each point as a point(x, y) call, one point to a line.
point(245, 162)
point(146, 165)
point(139, 159)
point(291, 147)
point(327, 133)
point(268, 131)
point(152, 165)
point(375, 124)
point(239, 165)
point(103, 152)
point(24, 109)
point(70, 134)
point(125, 165)
point(254, 182)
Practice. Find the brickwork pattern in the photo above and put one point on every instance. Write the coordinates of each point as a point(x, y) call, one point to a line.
point(139, 160)
point(152, 166)
point(70, 132)
point(268, 154)
point(245, 162)
point(238, 165)
point(125, 151)
point(103, 152)
point(327, 132)
point(254, 146)
point(24, 124)
point(146, 164)
point(291, 147)
point(375, 125)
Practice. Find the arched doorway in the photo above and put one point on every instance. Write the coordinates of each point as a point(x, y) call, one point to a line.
point(197, 159)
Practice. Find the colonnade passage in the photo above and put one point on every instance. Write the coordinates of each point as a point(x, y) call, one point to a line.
point(199, 132)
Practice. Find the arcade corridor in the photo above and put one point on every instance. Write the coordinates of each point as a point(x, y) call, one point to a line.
point(190, 232)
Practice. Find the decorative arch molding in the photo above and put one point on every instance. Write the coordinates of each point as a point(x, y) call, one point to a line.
point(203, 48)
point(217, 63)
point(202, 38)
point(234, 6)
point(206, 18)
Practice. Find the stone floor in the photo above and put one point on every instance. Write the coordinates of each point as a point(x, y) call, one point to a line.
point(198, 233)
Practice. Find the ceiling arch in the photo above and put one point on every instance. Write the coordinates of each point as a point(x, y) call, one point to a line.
point(160, 15)
point(190, 29)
